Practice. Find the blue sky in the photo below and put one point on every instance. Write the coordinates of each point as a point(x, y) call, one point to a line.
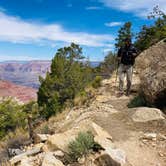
point(35, 29)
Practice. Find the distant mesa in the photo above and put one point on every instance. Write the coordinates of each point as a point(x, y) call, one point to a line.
point(27, 73)
point(22, 93)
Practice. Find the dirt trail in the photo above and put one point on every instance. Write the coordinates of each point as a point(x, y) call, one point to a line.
point(127, 134)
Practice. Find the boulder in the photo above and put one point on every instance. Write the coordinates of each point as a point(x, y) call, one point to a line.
point(60, 141)
point(151, 67)
point(145, 114)
point(50, 160)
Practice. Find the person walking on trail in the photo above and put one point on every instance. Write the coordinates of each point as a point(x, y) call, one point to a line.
point(126, 59)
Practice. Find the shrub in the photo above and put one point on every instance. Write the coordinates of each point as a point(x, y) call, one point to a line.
point(97, 82)
point(137, 101)
point(82, 145)
point(11, 117)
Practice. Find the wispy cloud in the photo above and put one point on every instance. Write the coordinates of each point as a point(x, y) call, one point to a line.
point(93, 8)
point(113, 24)
point(140, 7)
point(14, 29)
point(18, 58)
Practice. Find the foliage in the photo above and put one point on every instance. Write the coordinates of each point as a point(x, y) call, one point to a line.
point(11, 116)
point(137, 101)
point(97, 82)
point(149, 35)
point(123, 33)
point(68, 76)
point(82, 145)
point(31, 108)
point(108, 65)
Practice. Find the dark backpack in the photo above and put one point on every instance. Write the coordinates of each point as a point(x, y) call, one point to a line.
point(127, 55)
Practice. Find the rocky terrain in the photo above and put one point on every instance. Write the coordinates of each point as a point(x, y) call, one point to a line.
point(129, 136)
point(151, 65)
point(22, 93)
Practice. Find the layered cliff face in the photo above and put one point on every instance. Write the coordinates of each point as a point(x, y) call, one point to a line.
point(26, 74)
point(151, 65)
point(22, 93)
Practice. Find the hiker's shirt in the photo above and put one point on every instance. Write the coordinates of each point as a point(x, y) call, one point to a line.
point(127, 55)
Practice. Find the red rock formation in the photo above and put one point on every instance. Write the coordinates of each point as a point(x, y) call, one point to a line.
point(22, 93)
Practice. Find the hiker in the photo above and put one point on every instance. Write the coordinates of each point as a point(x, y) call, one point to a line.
point(126, 59)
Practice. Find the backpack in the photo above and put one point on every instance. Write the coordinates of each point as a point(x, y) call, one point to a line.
point(126, 54)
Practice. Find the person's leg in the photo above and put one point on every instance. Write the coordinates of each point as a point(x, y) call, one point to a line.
point(129, 73)
point(121, 78)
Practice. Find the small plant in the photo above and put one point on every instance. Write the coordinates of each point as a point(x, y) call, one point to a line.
point(137, 101)
point(82, 145)
point(97, 82)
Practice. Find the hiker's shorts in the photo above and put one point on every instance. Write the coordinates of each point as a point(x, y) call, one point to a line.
point(128, 70)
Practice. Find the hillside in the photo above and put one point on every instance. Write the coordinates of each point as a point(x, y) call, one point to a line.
point(129, 137)
point(22, 93)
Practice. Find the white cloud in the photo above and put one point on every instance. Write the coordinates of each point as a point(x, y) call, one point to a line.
point(18, 58)
point(93, 8)
point(140, 7)
point(113, 24)
point(14, 29)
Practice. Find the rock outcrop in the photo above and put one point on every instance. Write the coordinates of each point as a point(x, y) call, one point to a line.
point(151, 65)
point(145, 114)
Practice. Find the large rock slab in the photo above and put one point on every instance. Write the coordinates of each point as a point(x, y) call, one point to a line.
point(60, 141)
point(145, 114)
point(152, 71)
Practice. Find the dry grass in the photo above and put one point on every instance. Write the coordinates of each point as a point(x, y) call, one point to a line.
point(14, 139)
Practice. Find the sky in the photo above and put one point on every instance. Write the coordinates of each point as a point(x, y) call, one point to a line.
point(35, 29)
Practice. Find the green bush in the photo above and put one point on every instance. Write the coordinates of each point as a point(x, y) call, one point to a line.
point(82, 145)
point(97, 82)
point(11, 117)
point(137, 101)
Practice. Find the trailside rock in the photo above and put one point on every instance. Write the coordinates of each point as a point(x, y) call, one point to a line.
point(152, 71)
point(145, 114)
point(50, 160)
point(31, 152)
point(61, 141)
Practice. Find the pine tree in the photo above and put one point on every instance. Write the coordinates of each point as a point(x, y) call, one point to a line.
point(123, 33)
point(68, 76)
point(150, 35)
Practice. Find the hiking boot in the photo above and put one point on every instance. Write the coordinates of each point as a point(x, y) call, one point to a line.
point(127, 93)
point(120, 94)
